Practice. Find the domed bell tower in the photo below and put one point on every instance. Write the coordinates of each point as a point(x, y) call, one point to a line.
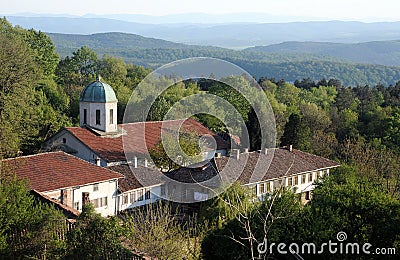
point(98, 107)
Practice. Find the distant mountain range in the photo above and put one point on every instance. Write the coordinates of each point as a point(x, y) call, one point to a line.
point(233, 35)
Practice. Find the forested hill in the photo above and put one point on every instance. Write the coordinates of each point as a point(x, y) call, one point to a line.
point(376, 52)
point(287, 65)
point(114, 40)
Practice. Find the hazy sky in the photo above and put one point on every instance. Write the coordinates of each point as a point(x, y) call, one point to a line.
point(323, 9)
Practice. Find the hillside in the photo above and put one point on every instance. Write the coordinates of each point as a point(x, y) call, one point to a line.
point(155, 52)
point(376, 52)
point(114, 40)
point(288, 65)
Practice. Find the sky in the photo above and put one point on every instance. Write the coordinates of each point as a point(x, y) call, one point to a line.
point(361, 10)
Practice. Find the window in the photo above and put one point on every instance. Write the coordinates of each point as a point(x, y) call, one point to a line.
point(267, 187)
point(96, 187)
point(100, 202)
point(103, 202)
point(147, 194)
point(133, 199)
point(289, 181)
point(295, 180)
point(85, 116)
point(111, 116)
point(76, 205)
point(303, 178)
point(310, 177)
point(261, 188)
point(307, 195)
point(125, 199)
point(64, 140)
point(97, 117)
point(140, 195)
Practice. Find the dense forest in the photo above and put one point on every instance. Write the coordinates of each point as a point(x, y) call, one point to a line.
point(259, 63)
point(375, 52)
point(358, 126)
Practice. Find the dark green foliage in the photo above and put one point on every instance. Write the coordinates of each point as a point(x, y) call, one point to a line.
point(95, 237)
point(27, 227)
point(254, 130)
point(167, 153)
point(343, 201)
point(297, 133)
point(24, 84)
point(360, 207)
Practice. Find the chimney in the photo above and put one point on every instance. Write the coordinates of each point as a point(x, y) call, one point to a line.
point(145, 162)
point(64, 197)
point(85, 198)
point(265, 150)
point(246, 150)
point(290, 148)
point(135, 161)
point(236, 153)
point(98, 161)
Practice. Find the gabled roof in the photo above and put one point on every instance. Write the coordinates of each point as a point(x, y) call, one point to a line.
point(148, 177)
point(137, 136)
point(278, 162)
point(57, 170)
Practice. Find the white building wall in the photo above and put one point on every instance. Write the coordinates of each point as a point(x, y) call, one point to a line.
point(108, 107)
point(302, 185)
point(106, 189)
point(133, 197)
point(104, 108)
point(83, 152)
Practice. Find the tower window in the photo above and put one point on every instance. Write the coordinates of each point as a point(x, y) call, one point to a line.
point(111, 116)
point(85, 116)
point(97, 117)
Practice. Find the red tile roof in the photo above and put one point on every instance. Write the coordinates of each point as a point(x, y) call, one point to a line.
point(277, 163)
point(111, 148)
point(57, 170)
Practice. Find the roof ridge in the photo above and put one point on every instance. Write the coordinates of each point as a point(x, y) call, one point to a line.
point(314, 155)
point(62, 153)
point(75, 157)
point(158, 121)
point(33, 155)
